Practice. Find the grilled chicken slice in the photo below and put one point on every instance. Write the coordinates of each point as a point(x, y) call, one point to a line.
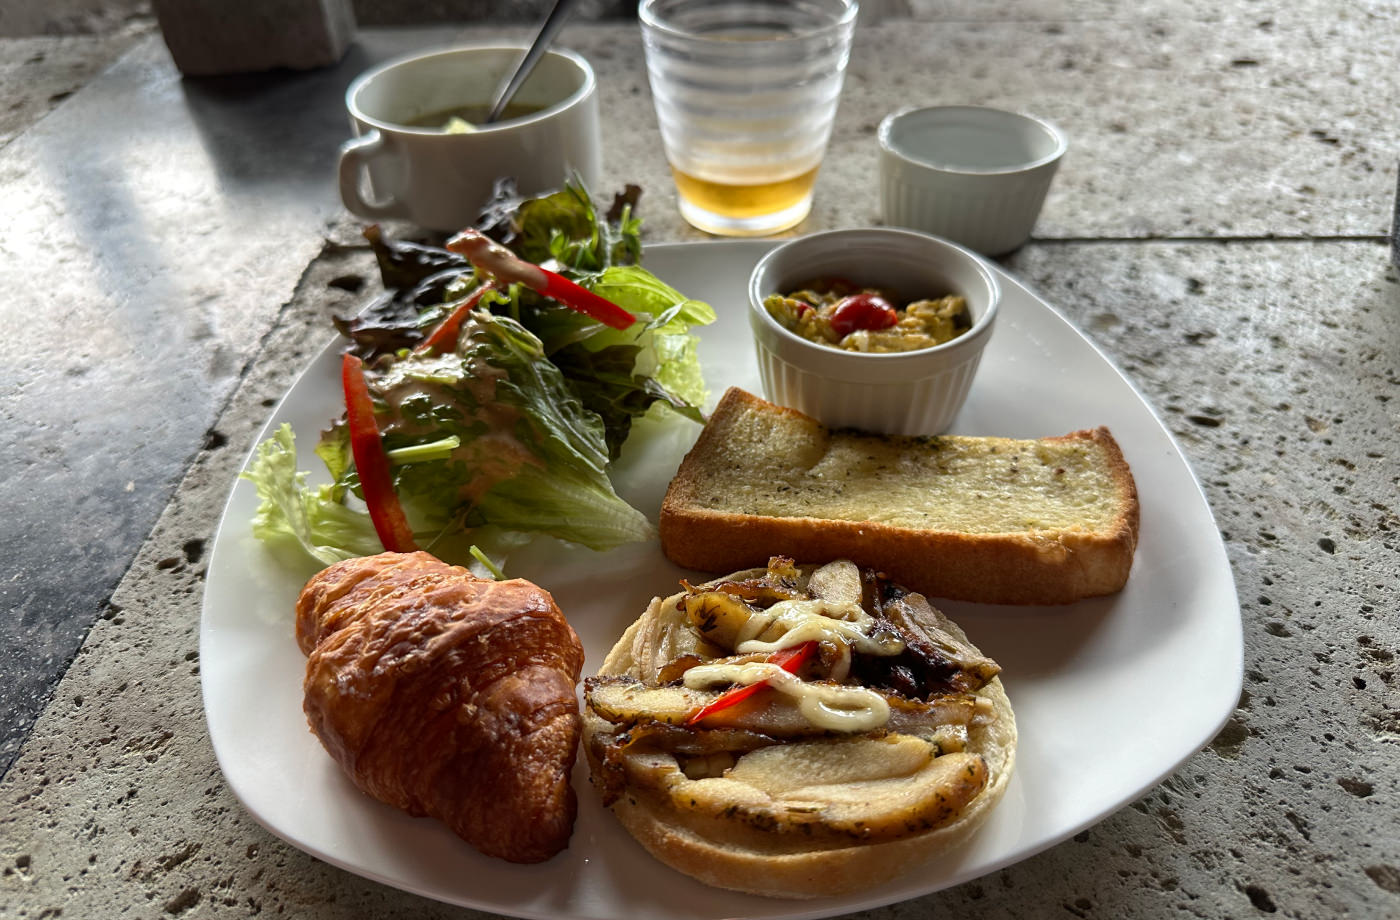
point(829, 792)
point(625, 701)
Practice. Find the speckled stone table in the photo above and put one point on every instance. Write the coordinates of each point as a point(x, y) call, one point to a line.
point(173, 249)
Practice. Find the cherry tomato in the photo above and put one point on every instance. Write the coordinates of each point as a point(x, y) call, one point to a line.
point(862, 311)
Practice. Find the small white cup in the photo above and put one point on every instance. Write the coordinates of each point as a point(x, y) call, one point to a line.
point(440, 181)
point(975, 175)
point(910, 392)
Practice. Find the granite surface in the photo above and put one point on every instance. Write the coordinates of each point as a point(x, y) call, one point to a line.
point(37, 73)
point(1218, 230)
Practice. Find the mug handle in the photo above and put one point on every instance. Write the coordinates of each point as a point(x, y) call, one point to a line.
point(355, 155)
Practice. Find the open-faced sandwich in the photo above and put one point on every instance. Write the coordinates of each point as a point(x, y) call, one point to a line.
point(797, 731)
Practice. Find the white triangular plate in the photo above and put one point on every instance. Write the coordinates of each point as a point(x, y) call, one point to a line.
point(1111, 695)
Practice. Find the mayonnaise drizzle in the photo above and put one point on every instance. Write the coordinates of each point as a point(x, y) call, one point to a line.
point(828, 706)
point(805, 620)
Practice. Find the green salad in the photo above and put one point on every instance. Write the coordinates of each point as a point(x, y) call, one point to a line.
point(481, 412)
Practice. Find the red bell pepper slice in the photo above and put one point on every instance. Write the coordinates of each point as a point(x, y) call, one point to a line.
point(585, 301)
point(486, 254)
point(789, 659)
point(371, 462)
point(445, 335)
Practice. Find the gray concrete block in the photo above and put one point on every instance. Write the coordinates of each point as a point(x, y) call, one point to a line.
point(208, 37)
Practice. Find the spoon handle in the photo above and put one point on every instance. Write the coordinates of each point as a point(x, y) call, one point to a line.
point(552, 24)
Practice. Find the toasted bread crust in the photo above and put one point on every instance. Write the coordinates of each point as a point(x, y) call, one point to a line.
point(1031, 567)
point(779, 868)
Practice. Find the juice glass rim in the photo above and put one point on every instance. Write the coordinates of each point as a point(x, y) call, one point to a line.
point(646, 14)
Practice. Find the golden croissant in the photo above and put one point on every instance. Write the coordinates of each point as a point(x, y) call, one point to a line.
point(447, 695)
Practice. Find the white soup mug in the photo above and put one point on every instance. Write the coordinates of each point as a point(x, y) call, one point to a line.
point(398, 167)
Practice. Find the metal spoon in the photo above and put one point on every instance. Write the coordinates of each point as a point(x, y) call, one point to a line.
point(552, 24)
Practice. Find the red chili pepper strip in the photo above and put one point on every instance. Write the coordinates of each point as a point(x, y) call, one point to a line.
point(371, 462)
point(444, 337)
point(585, 301)
point(491, 257)
point(789, 659)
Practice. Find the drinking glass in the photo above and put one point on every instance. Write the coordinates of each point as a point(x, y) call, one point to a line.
point(746, 92)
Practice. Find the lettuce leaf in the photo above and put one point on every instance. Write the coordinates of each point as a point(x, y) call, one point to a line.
point(605, 383)
point(529, 455)
point(566, 227)
point(667, 348)
point(294, 516)
point(621, 374)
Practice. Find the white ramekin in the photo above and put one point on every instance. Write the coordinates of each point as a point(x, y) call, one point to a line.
point(912, 393)
point(975, 175)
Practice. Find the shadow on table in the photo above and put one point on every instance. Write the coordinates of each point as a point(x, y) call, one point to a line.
point(276, 129)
